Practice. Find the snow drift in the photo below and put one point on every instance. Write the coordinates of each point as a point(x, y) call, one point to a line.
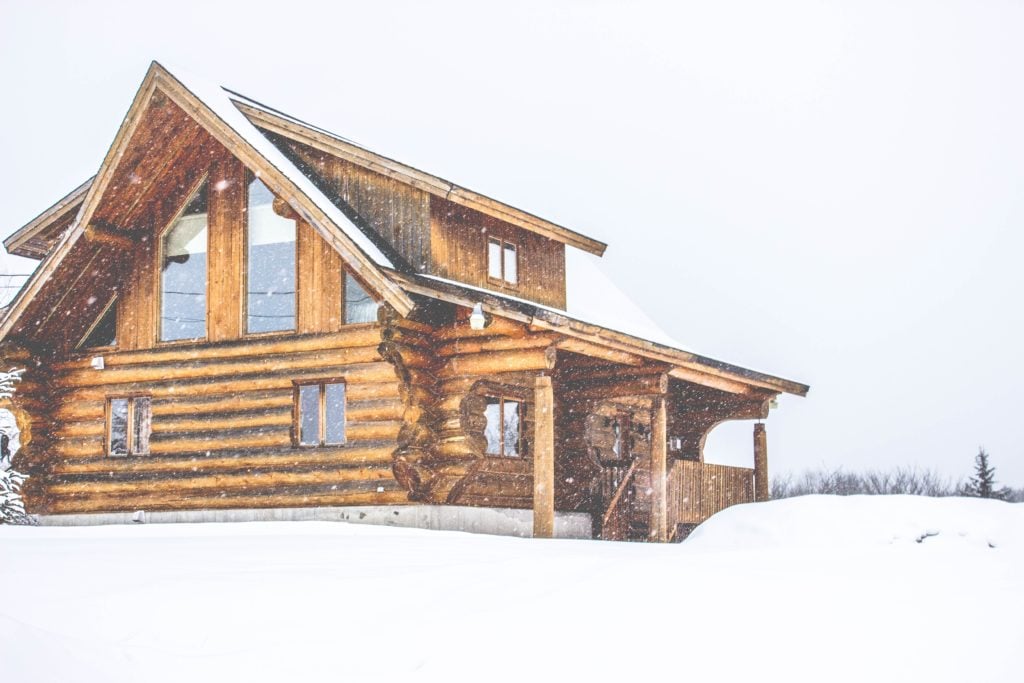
point(806, 589)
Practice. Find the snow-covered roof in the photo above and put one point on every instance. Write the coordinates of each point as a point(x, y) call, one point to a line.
point(220, 101)
point(591, 298)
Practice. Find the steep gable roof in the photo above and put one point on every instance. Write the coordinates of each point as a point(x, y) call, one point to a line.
point(212, 107)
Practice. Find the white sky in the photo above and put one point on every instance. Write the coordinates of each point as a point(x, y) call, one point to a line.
point(828, 191)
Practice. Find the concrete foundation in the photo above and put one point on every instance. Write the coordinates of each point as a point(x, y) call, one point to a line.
point(478, 520)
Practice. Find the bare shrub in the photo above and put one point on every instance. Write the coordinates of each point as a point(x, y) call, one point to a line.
point(839, 482)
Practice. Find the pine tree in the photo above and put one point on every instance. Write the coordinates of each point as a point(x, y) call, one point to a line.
point(982, 484)
point(12, 506)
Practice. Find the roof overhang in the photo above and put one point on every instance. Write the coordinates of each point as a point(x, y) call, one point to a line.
point(683, 365)
point(32, 240)
point(317, 138)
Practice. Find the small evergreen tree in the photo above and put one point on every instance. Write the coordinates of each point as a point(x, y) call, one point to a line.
point(982, 484)
point(12, 507)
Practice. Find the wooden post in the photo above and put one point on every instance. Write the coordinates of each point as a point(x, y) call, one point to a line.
point(659, 472)
point(760, 463)
point(543, 459)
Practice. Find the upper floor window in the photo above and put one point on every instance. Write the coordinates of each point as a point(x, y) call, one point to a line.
point(502, 261)
point(270, 264)
point(320, 414)
point(103, 332)
point(183, 271)
point(503, 429)
point(359, 305)
point(129, 424)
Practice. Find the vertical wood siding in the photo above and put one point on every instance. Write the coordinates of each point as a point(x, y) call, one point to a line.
point(459, 240)
point(698, 490)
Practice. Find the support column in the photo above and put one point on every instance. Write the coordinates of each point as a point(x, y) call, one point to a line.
point(760, 463)
point(659, 472)
point(543, 459)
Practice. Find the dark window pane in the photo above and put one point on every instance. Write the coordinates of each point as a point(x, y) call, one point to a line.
point(143, 426)
point(271, 264)
point(511, 264)
point(335, 409)
point(118, 441)
point(494, 259)
point(492, 430)
point(183, 273)
point(309, 414)
point(105, 331)
point(359, 306)
point(511, 428)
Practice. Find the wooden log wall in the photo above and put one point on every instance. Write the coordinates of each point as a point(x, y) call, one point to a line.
point(502, 359)
point(222, 419)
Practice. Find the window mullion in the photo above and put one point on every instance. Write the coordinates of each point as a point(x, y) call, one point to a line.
point(323, 414)
point(129, 432)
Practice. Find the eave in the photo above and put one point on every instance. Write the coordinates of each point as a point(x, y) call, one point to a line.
point(31, 240)
point(684, 365)
point(299, 131)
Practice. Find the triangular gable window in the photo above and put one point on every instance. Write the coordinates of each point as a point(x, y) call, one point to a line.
point(104, 330)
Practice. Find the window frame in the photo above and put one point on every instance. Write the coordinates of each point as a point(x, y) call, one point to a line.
point(158, 300)
point(501, 398)
point(244, 311)
point(81, 346)
point(346, 273)
point(296, 429)
point(130, 437)
point(502, 245)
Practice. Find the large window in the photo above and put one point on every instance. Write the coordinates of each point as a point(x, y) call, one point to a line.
point(183, 272)
point(270, 264)
point(502, 261)
point(503, 429)
point(129, 423)
point(359, 306)
point(320, 414)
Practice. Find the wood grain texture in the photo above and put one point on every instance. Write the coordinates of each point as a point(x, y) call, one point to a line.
point(459, 252)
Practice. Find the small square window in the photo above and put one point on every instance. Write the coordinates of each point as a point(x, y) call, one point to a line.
point(502, 262)
point(129, 425)
point(320, 414)
point(503, 429)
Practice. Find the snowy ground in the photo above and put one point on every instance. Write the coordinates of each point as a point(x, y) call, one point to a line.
point(807, 589)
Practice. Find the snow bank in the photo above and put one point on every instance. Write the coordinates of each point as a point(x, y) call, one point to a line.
point(807, 589)
point(863, 521)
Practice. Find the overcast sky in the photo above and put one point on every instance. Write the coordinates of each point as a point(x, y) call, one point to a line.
point(827, 191)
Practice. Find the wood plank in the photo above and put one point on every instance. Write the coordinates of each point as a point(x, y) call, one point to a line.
point(226, 254)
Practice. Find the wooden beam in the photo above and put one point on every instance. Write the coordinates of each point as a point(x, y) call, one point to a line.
point(760, 463)
point(599, 351)
point(651, 385)
point(110, 235)
point(659, 472)
point(543, 459)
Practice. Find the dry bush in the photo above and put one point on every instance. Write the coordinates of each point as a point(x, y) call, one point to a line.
point(839, 482)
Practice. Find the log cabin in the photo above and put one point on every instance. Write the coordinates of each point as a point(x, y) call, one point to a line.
point(242, 312)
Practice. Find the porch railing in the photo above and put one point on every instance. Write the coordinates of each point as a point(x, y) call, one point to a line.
point(697, 490)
